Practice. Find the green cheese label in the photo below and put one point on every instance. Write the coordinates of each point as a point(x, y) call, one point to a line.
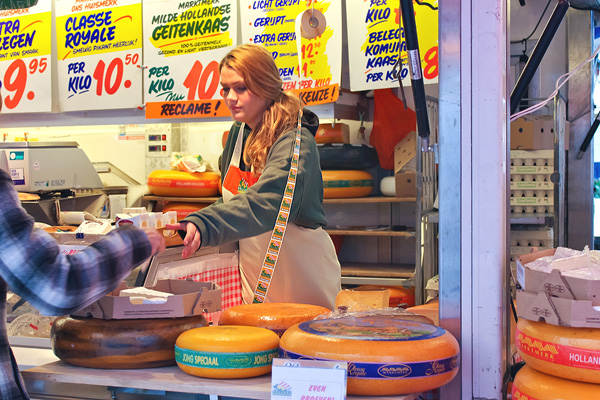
point(205, 359)
point(348, 183)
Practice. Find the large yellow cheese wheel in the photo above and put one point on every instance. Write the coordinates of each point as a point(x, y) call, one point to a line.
point(185, 184)
point(119, 343)
point(230, 351)
point(274, 316)
point(183, 209)
point(570, 353)
point(386, 356)
point(531, 384)
point(342, 184)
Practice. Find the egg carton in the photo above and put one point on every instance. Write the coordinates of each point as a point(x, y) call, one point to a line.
point(545, 235)
point(542, 210)
point(532, 201)
point(531, 154)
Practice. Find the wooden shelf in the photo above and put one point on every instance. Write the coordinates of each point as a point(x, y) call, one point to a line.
point(367, 232)
point(403, 271)
point(375, 199)
point(354, 200)
point(151, 197)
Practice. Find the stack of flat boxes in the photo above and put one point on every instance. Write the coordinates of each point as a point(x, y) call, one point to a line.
point(531, 194)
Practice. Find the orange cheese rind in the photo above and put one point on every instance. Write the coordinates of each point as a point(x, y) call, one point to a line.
point(385, 355)
point(530, 384)
point(226, 352)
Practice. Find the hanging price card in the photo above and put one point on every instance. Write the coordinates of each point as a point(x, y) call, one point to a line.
point(311, 67)
point(99, 49)
point(25, 46)
point(183, 45)
point(301, 379)
point(377, 46)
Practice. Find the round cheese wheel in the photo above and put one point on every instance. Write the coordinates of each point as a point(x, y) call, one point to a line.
point(119, 343)
point(331, 133)
point(274, 316)
point(342, 184)
point(347, 156)
point(185, 184)
point(386, 356)
point(229, 351)
point(183, 209)
point(570, 353)
point(531, 384)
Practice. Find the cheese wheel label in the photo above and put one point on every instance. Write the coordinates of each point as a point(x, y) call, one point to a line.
point(518, 395)
point(347, 183)
point(209, 359)
point(557, 353)
point(408, 370)
point(372, 328)
point(180, 183)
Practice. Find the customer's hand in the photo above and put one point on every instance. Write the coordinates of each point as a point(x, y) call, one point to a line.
point(192, 239)
point(157, 241)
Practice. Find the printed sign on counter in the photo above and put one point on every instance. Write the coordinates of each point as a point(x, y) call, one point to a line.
point(25, 46)
point(377, 46)
point(308, 379)
point(183, 45)
point(309, 58)
point(99, 50)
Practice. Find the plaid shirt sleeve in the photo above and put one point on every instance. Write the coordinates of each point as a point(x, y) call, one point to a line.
point(54, 283)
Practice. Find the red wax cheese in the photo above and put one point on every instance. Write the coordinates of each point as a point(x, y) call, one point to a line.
point(570, 353)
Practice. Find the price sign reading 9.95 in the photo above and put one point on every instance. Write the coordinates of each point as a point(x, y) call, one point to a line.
point(25, 85)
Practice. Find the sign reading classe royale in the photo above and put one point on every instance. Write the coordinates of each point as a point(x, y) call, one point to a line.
point(309, 67)
point(376, 42)
point(25, 46)
point(183, 45)
point(99, 49)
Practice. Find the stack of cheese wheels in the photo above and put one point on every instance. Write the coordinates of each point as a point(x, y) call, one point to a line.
point(277, 317)
point(183, 209)
point(185, 184)
point(346, 184)
point(387, 356)
point(570, 353)
point(119, 343)
point(226, 351)
point(531, 384)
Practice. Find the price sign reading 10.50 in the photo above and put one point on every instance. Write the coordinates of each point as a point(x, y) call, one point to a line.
point(17, 78)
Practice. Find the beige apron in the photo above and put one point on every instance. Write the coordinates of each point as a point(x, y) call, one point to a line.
point(307, 271)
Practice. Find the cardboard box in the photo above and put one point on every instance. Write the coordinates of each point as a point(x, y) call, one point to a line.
point(191, 298)
point(404, 151)
point(557, 311)
point(555, 283)
point(535, 132)
point(406, 184)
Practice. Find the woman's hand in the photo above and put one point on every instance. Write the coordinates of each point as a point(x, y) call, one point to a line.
point(157, 241)
point(192, 239)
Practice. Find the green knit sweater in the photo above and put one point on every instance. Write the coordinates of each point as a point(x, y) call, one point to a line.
point(254, 212)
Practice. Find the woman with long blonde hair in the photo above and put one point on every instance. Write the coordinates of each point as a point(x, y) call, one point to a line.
point(258, 173)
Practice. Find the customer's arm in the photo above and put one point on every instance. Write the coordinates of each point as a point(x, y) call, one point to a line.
point(55, 283)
